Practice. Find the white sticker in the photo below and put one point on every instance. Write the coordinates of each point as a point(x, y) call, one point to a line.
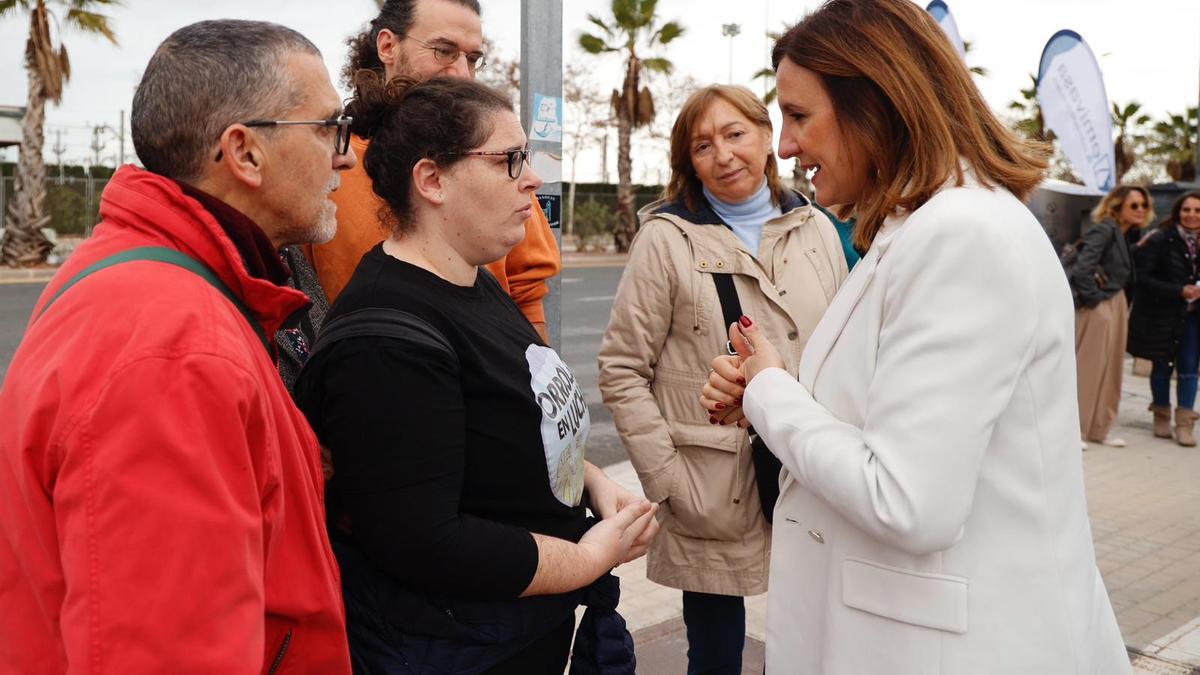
point(547, 119)
point(565, 421)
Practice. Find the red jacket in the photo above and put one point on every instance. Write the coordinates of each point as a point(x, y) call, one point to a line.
point(160, 495)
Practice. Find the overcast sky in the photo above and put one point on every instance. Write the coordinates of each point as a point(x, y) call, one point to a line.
point(103, 77)
point(1151, 54)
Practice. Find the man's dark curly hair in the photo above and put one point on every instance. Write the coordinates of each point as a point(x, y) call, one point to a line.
point(396, 16)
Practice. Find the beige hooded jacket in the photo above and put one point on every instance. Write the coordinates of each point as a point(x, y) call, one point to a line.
point(666, 327)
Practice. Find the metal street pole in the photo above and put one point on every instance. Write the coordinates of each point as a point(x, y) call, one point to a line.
point(730, 30)
point(541, 111)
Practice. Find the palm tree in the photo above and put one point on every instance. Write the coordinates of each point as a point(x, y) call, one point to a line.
point(1127, 136)
point(1030, 121)
point(633, 23)
point(975, 70)
point(1173, 139)
point(48, 69)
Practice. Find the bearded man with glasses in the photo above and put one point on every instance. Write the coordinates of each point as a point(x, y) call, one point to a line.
point(418, 39)
point(160, 495)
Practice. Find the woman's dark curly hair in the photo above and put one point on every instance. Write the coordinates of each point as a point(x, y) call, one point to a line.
point(394, 15)
point(407, 121)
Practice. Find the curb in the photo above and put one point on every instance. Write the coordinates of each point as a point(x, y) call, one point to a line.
point(570, 260)
point(27, 275)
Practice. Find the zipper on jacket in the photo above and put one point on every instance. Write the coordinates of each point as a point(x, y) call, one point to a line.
point(287, 640)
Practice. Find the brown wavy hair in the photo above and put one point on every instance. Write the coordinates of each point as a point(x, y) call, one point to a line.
point(1115, 199)
point(684, 185)
point(407, 120)
point(394, 15)
point(901, 91)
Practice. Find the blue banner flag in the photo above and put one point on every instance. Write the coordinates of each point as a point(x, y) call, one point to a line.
point(940, 12)
point(1070, 90)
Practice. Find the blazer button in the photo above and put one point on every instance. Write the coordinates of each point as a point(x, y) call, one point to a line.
point(703, 264)
point(816, 536)
point(792, 335)
point(720, 264)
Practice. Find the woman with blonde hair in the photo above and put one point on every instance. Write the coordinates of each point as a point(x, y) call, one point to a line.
point(1103, 269)
point(728, 237)
point(931, 517)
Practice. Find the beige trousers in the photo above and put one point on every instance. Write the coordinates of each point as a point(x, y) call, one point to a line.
point(1100, 360)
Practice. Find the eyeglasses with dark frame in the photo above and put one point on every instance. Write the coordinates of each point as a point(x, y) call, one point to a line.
point(446, 53)
point(517, 159)
point(341, 140)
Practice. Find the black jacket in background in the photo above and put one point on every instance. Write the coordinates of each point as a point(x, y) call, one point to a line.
point(1104, 247)
point(1157, 321)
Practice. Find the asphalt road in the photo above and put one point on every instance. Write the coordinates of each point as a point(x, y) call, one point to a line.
point(587, 301)
point(16, 304)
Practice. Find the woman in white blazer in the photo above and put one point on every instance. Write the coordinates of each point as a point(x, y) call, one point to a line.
point(932, 516)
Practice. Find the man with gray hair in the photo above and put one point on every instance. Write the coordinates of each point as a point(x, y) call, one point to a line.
point(160, 496)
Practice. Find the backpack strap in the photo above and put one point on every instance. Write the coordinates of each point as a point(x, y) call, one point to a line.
point(766, 465)
point(171, 257)
point(380, 322)
point(731, 306)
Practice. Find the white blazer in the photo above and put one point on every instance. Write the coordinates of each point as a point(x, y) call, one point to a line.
point(932, 516)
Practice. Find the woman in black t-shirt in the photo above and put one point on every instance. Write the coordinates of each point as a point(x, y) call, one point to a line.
point(456, 436)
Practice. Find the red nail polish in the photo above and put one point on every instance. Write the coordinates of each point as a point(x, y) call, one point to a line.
point(720, 406)
point(741, 381)
point(745, 321)
point(712, 420)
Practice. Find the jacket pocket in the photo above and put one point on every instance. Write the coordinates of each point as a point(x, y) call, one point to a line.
point(937, 601)
point(708, 499)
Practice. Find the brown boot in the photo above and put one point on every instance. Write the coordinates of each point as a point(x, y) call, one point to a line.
point(1162, 420)
point(1185, 420)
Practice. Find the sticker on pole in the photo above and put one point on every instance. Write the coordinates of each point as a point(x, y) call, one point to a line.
point(552, 207)
point(547, 119)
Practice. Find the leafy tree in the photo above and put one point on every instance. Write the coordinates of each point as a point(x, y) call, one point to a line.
point(588, 120)
point(1173, 140)
point(632, 26)
point(501, 73)
point(1029, 113)
point(594, 222)
point(48, 69)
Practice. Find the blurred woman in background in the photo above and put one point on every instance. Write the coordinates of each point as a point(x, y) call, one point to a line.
point(1102, 270)
point(1164, 325)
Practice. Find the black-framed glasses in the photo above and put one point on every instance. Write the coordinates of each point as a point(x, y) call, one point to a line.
point(517, 159)
point(341, 141)
point(446, 53)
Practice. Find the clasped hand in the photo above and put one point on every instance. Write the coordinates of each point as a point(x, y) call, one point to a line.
point(627, 523)
point(722, 395)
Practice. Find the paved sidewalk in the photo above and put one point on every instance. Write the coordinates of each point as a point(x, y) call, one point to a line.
point(1144, 502)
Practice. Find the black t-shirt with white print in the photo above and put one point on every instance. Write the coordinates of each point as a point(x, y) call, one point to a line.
point(443, 469)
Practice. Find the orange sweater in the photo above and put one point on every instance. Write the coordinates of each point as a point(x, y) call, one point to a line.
point(522, 273)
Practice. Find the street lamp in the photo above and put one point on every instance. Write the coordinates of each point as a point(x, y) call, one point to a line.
point(730, 30)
